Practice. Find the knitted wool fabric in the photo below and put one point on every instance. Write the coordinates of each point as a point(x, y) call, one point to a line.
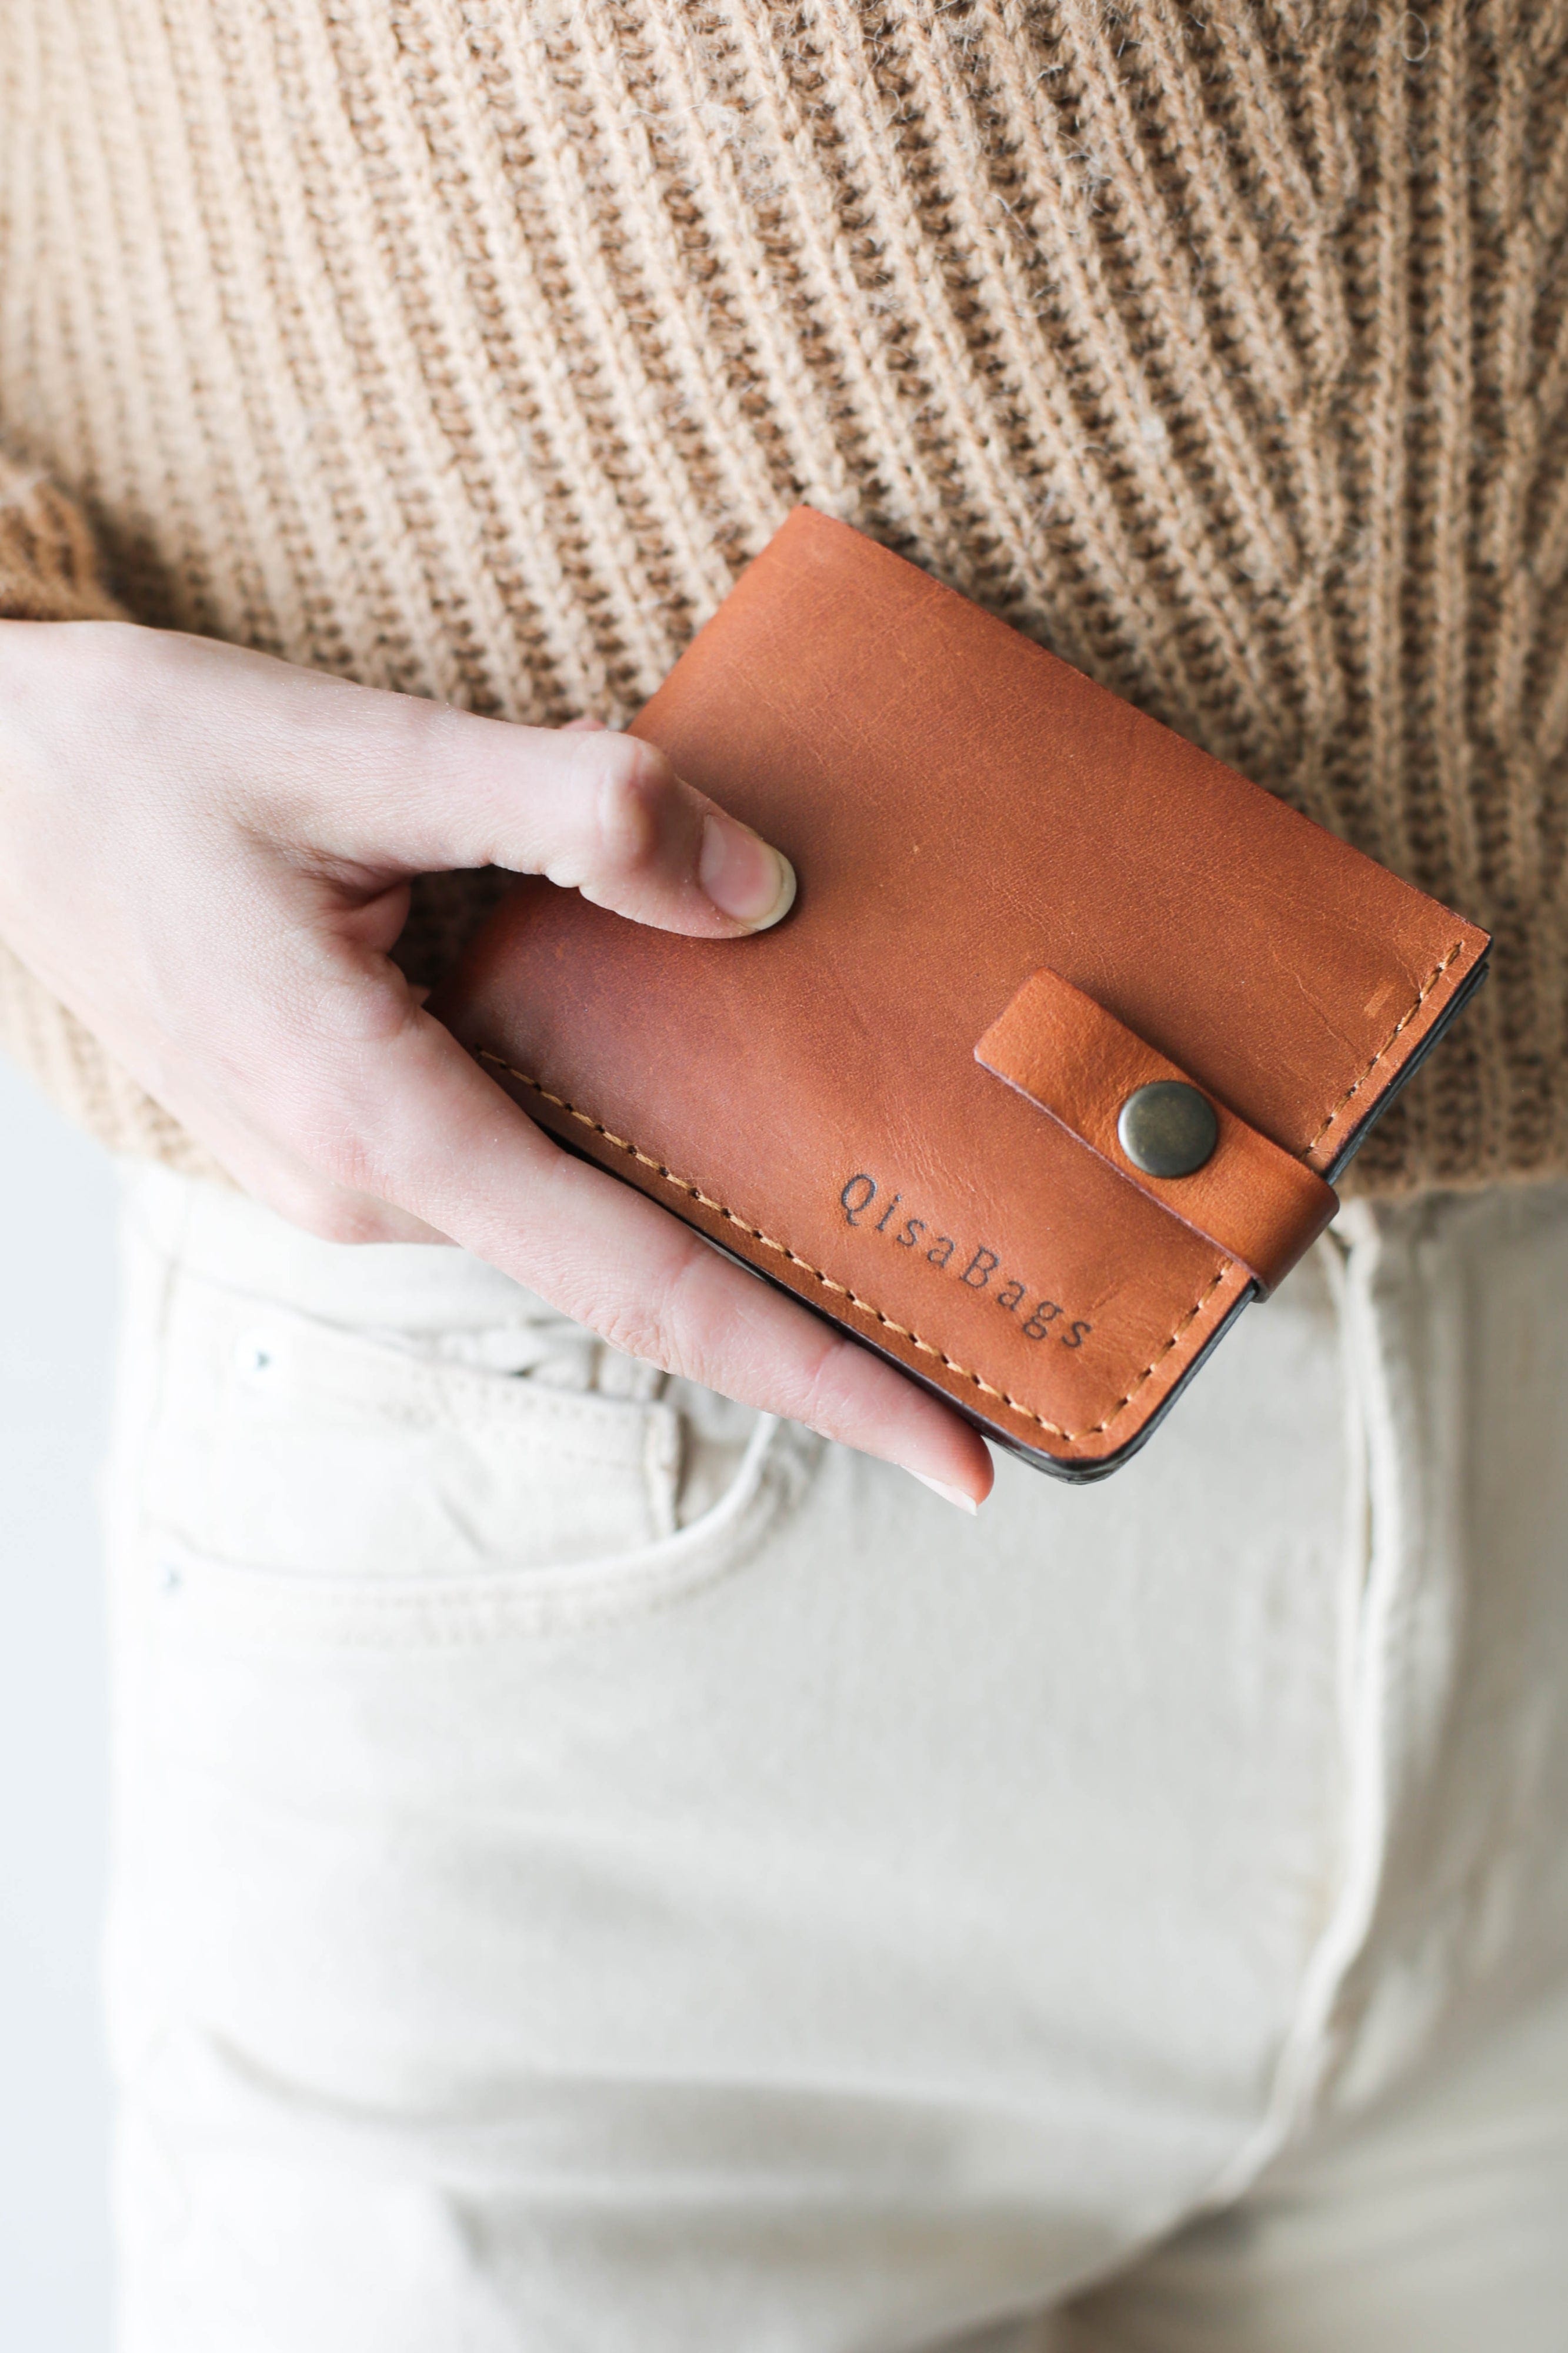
point(471, 346)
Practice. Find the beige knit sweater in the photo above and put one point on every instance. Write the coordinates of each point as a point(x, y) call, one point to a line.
point(471, 346)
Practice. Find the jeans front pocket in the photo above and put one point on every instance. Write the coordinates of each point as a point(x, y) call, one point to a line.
point(389, 1631)
point(341, 1481)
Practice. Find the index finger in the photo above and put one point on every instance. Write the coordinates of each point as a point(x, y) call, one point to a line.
point(423, 1126)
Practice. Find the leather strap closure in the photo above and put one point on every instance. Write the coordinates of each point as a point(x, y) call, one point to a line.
point(1076, 1062)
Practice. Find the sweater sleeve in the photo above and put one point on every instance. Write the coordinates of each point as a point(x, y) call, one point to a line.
point(50, 570)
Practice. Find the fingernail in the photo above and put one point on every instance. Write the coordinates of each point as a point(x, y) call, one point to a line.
point(949, 1494)
point(743, 876)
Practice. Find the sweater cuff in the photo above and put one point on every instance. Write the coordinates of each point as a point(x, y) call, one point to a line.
point(50, 569)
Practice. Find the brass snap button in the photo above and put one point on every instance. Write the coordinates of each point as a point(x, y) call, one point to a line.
point(1167, 1128)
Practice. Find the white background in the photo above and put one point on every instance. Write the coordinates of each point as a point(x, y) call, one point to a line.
point(56, 1321)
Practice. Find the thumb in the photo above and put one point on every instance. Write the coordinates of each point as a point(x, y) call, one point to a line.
point(592, 810)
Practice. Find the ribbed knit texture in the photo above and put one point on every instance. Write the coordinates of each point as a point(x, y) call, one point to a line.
point(471, 347)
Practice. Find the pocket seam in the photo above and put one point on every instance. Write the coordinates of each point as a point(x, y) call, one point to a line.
point(285, 1610)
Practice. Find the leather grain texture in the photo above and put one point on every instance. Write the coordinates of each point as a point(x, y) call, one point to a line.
point(1079, 1064)
point(962, 810)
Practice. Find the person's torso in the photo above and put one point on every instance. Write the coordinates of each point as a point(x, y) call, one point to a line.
point(474, 351)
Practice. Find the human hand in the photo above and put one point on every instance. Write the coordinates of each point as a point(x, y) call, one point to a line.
point(206, 855)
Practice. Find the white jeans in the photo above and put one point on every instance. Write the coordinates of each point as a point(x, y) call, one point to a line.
point(600, 1872)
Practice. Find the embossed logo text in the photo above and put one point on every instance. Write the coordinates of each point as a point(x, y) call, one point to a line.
point(867, 1205)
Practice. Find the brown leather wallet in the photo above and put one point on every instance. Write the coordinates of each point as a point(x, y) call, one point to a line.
point(1052, 1067)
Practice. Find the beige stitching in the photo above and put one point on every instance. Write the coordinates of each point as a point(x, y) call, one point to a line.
point(926, 1347)
point(1427, 986)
